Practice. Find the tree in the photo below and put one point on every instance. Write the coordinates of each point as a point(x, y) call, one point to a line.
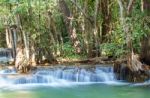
point(67, 15)
point(145, 51)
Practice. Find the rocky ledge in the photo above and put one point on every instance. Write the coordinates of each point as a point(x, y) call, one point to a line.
point(123, 72)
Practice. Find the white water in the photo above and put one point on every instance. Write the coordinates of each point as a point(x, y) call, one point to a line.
point(58, 77)
point(62, 77)
point(5, 55)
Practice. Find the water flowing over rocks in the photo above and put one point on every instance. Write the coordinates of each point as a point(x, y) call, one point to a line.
point(6, 55)
point(59, 75)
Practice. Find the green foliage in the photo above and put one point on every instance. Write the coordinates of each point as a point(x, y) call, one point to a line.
point(116, 46)
point(138, 31)
point(112, 49)
point(34, 20)
point(69, 51)
point(137, 35)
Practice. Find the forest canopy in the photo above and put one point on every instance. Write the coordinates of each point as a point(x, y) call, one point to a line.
point(47, 29)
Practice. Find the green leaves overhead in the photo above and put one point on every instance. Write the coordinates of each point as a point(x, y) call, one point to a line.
point(20, 9)
point(46, 27)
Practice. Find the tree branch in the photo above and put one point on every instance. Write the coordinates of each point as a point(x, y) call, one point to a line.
point(130, 5)
point(79, 8)
point(121, 11)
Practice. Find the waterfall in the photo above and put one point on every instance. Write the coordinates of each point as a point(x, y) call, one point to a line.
point(60, 75)
point(5, 55)
point(8, 71)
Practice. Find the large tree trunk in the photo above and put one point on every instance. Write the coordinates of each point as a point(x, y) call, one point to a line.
point(89, 27)
point(88, 31)
point(68, 22)
point(124, 13)
point(22, 50)
point(145, 51)
point(21, 63)
point(53, 33)
point(95, 30)
point(106, 16)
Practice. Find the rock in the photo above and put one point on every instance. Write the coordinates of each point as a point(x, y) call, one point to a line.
point(123, 72)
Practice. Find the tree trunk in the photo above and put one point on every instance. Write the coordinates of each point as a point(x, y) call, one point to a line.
point(68, 22)
point(124, 13)
point(22, 53)
point(21, 62)
point(145, 50)
point(88, 30)
point(106, 16)
point(95, 30)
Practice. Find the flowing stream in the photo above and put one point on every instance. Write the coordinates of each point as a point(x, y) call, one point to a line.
point(59, 76)
point(5, 55)
point(69, 82)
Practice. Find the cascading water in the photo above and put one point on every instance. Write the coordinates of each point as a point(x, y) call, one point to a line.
point(5, 55)
point(59, 76)
point(67, 82)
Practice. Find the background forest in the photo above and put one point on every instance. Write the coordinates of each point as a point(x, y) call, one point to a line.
point(51, 29)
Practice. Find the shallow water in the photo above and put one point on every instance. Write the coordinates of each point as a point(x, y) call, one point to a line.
point(77, 91)
point(98, 82)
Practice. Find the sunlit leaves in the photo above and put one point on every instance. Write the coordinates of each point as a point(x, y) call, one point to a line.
point(34, 19)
